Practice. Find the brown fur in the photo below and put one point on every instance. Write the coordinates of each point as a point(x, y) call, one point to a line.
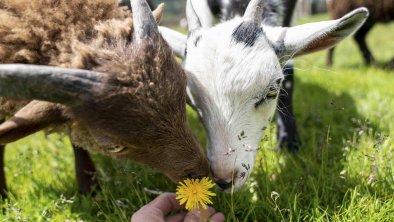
point(58, 27)
point(140, 115)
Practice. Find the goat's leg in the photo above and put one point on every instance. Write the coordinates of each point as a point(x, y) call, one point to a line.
point(287, 134)
point(286, 125)
point(360, 38)
point(3, 187)
point(330, 56)
point(289, 6)
point(84, 168)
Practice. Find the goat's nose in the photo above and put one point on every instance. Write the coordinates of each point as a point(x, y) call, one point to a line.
point(224, 185)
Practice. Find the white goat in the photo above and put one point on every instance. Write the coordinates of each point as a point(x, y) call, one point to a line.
point(234, 77)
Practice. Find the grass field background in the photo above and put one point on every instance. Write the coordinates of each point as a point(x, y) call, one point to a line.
point(343, 172)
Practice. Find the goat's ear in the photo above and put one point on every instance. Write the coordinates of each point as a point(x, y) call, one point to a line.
point(176, 40)
point(58, 85)
point(158, 13)
point(311, 37)
point(33, 117)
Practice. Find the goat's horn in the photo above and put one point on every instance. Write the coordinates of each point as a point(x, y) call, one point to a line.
point(59, 85)
point(143, 20)
point(192, 18)
point(254, 11)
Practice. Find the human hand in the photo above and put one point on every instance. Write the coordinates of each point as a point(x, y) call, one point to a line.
point(157, 210)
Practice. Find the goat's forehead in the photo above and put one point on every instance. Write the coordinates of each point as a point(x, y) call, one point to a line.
point(233, 42)
point(221, 56)
point(229, 32)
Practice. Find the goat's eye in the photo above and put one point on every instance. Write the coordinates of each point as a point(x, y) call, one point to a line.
point(271, 95)
point(116, 148)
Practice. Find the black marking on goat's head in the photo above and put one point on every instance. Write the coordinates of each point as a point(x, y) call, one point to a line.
point(247, 33)
point(196, 35)
point(198, 38)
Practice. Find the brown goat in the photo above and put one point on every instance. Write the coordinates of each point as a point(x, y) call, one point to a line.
point(379, 11)
point(117, 88)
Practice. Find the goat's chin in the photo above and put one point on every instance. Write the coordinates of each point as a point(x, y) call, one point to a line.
point(234, 188)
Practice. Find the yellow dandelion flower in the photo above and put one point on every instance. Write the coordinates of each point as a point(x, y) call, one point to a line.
point(195, 193)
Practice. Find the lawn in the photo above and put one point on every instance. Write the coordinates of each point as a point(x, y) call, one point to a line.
point(343, 172)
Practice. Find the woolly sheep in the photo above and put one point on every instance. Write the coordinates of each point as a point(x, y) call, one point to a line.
point(107, 80)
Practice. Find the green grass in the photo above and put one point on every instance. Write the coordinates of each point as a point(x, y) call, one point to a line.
point(343, 172)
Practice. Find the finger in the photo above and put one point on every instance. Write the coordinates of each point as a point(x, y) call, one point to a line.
point(211, 210)
point(191, 217)
point(176, 218)
point(218, 217)
point(141, 215)
point(166, 203)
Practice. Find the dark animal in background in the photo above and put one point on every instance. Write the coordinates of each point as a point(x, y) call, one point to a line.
point(277, 13)
point(226, 10)
point(100, 74)
point(380, 11)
